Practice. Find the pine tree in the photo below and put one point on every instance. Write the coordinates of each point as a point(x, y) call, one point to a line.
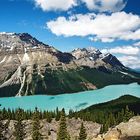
point(19, 131)
point(36, 126)
point(58, 114)
point(62, 131)
point(48, 117)
point(105, 126)
point(112, 119)
point(1, 131)
point(128, 114)
point(1, 128)
point(82, 134)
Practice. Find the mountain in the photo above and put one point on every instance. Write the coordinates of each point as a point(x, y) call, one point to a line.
point(29, 67)
point(92, 57)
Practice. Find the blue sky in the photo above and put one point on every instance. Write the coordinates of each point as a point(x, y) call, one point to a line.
point(110, 25)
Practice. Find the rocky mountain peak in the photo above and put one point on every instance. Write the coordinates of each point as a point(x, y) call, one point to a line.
point(28, 66)
point(94, 57)
point(6, 33)
point(90, 52)
point(19, 42)
point(25, 37)
point(112, 60)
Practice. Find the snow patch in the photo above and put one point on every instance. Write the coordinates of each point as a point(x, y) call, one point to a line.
point(6, 33)
point(3, 60)
point(125, 73)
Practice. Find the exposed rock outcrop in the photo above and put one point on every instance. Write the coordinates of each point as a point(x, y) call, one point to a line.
point(124, 131)
point(73, 127)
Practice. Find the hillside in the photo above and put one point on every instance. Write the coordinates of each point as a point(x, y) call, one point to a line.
point(116, 105)
point(30, 67)
point(48, 122)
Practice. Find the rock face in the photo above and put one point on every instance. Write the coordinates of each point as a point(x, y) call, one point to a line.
point(29, 67)
point(124, 131)
point(73, 128)
point(131, 128)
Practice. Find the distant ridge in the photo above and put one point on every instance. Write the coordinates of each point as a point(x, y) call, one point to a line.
point(30, 67)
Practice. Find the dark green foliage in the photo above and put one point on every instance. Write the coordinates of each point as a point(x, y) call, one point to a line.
point(82, 134)
point(60, 81)
point(19, 128)
point(10, 90)
point(111, 113)
point(3, 129)
point(36, 126)
point(127, 114)
point(19, 131)
point(58, 114)
point(19, 115)
point(26, 115)
point(108, 114)
point(62, 131)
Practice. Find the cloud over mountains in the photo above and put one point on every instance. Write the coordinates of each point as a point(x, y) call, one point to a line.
point(103, 22)
point(128, 55)
point(106, 28)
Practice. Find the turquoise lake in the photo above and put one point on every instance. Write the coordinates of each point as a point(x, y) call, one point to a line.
point(74, 101)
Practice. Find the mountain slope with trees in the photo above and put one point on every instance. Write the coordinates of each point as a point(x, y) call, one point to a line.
point(30, 67)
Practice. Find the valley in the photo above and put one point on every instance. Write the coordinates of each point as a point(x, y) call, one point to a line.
point(42, 88)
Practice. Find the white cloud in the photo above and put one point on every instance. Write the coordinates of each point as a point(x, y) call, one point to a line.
point(131, 35)
point(94, 39)
point(105, 5)
point(119, 25)
point(130, 61)
point(127, 50)
point(62, 5)
point(99, 5)
point(137, 44)
point(128, 55)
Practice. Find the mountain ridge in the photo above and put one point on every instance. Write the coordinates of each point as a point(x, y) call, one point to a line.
point(29, 67)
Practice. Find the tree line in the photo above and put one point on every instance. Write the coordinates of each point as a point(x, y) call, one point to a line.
point(19, 115)
point(106, 119)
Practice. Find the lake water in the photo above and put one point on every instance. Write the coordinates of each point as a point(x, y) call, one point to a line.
point(75, 101)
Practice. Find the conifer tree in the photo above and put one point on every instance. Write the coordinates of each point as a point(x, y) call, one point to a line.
point(1, 131)
point(36, 126)
point(128, 114)
point(2, 127)
point(58, 114)
point(82, 134)
point(112, 119)
point(19, 130)
point(62, 131)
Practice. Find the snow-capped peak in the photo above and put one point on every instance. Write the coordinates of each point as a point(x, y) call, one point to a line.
point(6, 33)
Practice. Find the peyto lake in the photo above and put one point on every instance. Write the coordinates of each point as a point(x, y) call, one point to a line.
point(75, 101)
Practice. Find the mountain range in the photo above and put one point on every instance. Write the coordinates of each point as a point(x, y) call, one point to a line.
point(30, 67)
